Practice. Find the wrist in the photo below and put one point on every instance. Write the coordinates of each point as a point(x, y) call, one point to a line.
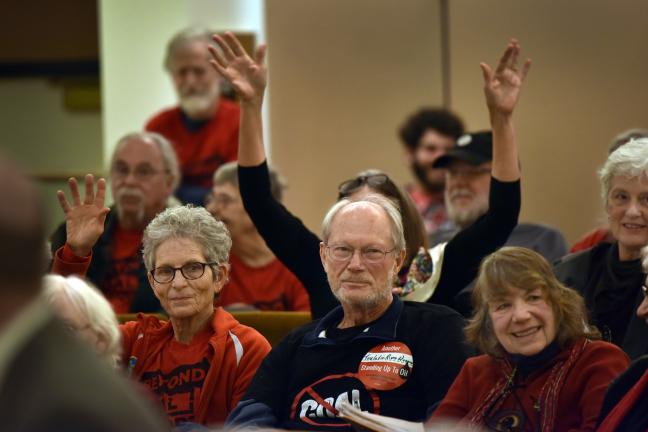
point(79, 251)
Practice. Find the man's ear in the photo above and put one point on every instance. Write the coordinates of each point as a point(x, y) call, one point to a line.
point(400, 259)
point(322, 252)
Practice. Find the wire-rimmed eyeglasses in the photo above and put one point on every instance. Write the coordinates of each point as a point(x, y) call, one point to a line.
point(372, 255)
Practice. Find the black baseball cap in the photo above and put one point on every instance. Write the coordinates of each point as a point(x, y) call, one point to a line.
point(474, 148)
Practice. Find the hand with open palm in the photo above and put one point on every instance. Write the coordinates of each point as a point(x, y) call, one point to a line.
point(248, 76)
point(84, 220)
point(502, 86)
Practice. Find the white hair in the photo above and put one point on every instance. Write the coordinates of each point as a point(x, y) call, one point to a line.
point(395, 220)
point(89, 301)
point(630, 160)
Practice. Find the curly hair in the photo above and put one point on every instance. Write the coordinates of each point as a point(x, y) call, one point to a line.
point(187, 222)
point(630, 160)
point(521, 268)
point(441, 120)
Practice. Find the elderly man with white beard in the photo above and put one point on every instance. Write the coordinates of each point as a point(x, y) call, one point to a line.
point(143, 174)
point(203, 127)
point(374, 351)
point(468, 178)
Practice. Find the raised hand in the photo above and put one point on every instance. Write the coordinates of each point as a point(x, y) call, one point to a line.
point(248, 76)
point(84, 220)
point(502, 86)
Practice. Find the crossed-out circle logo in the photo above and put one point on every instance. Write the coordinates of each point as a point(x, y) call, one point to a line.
point(318, 403)
point(386, 366)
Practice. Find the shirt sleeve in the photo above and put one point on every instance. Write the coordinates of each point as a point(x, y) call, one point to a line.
point(65, 263)
point(464, 252)
point(262, 403)
point(288, 238)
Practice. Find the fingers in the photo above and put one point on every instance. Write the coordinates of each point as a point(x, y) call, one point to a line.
point(525, 69)
point(504, 60)
point(74, 191)
point(259, 55)
point(89, 189)
point(227, 51)
point(235, 44)
point(63, 201)
point(217, 61)
point(100, 197)
point(487, 72)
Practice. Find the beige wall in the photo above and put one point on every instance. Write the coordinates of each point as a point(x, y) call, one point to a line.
point(47, 139)
point(587, 83)
point(343, 75)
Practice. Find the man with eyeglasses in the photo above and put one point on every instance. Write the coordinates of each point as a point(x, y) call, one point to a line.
point(374, 351)
point(468, 179)
point(144, 173)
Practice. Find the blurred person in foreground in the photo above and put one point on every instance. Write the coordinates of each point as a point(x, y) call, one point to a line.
point(609, 275)
point(143, 175)
point(199, 362)
point(543, 368)
point(86, 312)
point(203, 127)
point(257, 279)
point(49, 381)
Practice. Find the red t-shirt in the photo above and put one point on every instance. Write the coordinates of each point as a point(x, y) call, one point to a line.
point(271, 287)
point(121, 280)
point(202, 151)
point(177, 373)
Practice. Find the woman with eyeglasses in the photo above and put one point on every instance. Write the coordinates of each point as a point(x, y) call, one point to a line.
point(542, 367)
point(454, 264)
point(199, 362)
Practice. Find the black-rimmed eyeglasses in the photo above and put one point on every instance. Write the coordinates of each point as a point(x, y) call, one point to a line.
point(190, 271)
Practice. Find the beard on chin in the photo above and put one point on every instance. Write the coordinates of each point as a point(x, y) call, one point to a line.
point(465, 216)
point(421, 174)
point(133, 193)
point(370, 301)
point(197, 102)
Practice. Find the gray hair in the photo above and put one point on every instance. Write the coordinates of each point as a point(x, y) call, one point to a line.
point(88, 301)
point(182, 38)
point(630, 160)
point(625, 137)
point(395, 220)
point(166, 150)
point(228, 173)
point(187, 222)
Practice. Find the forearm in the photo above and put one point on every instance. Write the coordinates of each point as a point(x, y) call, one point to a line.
point(251, 151)
point(506, 165)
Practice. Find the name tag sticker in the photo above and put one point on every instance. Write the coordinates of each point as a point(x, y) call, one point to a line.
point(386, 366)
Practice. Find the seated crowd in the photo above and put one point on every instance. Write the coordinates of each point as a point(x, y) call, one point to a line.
point(387, 281)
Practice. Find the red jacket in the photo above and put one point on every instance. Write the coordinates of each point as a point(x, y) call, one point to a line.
point(578, 403)
point(237, 353)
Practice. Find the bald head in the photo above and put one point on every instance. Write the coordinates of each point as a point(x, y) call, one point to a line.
point(21, 234)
